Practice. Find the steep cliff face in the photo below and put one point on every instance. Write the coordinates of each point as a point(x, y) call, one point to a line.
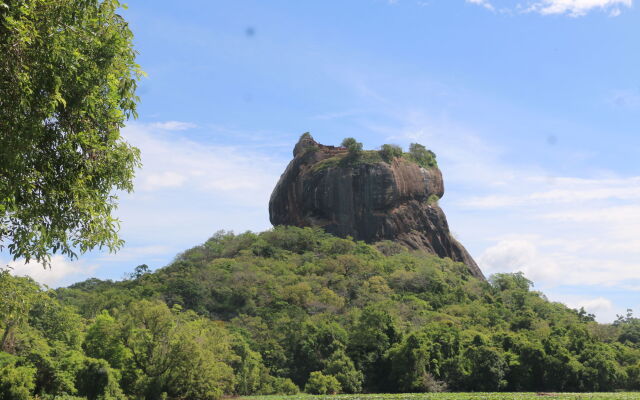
point(367, 198)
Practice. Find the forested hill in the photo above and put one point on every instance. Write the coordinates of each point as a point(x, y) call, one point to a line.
point(295, 308)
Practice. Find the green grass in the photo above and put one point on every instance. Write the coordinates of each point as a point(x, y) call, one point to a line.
point(426, 161)
point(433, 200)
point(343, 160)
point(459, 396)
point(370, 157)
point(327, 163)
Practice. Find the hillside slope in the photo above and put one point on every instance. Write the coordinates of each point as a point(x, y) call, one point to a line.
point(322, 310)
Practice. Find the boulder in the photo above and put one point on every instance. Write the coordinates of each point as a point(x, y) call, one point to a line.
point(367, 198)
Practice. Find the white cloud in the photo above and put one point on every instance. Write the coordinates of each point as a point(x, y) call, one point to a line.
point(62, 271)
point(554, 262)
point(554, 265)
point(484, 3)
point(187, 190)
point(561, 190)
point(615, 12)
point(560, 231)
point(173, 126)
point(598, 305)
point(518, 255)
point(572, 8)
point(568, 231)
point(165, 179)
point(569, 234)
point(578, 8)
point(627, 214)
point(175, 163)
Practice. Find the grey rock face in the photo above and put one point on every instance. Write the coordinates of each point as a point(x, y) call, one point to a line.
point(369, 200)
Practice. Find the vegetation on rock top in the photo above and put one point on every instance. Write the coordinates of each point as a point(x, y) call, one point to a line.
point(355, 155)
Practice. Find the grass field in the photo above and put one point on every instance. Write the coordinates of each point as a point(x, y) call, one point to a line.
point(460, 396)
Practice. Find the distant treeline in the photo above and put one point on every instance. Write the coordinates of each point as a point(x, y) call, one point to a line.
point(297, 309)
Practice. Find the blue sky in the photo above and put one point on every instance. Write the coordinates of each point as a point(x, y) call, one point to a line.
point(533, 108)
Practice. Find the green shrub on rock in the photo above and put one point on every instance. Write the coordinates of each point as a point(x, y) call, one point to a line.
point(423, 157)
point(390, 151)
point(354, 147)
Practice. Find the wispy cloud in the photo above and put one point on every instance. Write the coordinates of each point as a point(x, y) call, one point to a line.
point(188, 189)
point(579, 8)
point(595, 305)
point(185, 191)
point(173, 125)
point(565, 230)
point(559, 190)
point(62, 271)
point(553, 261)
point(173, 162)
point(561, 231)
point(483, 3)
point(572, 8)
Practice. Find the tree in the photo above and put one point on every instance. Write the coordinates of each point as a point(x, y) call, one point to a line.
point(96, 380)
point(341, 367)
point(67, 85)
point(412, 362)
point(202, 360)
point(139, 271)
point(390, 151)
point(313, 343)
point(629, 328)
point(178, 353)
point(103, 341)
point(16, 383)
point(354, 147)
point(515, 281)
point(319, 383)
point(17, 296)
point(487, 368)
point(149, 332)
point(419, 154)
point(372, 336)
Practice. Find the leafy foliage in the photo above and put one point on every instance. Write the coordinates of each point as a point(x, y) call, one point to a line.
point(16, 383)
point(297, 308)
point(354, 147)
point(319, 383)
point(421, 156)
point(466, 396)
point(67, 85)
point(390, 151)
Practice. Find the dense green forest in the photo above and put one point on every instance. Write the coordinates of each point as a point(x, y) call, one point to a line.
point(297, 309)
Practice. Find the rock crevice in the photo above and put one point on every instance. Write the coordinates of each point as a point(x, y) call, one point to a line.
point(367, 200)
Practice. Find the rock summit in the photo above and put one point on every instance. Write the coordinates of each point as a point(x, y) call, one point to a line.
point(368, 195)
